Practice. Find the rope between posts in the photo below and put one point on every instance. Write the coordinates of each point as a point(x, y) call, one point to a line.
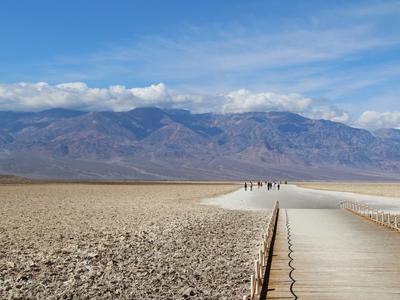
point(290, 244)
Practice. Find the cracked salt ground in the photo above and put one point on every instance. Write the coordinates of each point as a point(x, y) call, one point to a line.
point(124, 242)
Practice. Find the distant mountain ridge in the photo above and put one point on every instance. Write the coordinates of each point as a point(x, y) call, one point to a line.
point(154, 143)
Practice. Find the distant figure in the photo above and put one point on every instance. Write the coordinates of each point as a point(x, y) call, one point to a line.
point(245, 186)
point(251, 185)
point(279, 186)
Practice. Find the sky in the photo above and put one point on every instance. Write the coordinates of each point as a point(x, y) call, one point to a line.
point(337, 60)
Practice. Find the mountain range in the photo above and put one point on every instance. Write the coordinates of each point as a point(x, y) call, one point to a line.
point(152, 143)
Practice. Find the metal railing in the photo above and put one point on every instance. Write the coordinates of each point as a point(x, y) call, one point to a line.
point(380, 217)
point(264, 257)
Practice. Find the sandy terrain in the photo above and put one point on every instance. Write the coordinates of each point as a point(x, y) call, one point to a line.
point(366, 188)
point(71, 241)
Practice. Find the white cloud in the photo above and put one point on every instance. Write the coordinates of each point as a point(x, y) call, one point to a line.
point(374, 119)
point(77, 95)
point(331, 113)
point(243, 100)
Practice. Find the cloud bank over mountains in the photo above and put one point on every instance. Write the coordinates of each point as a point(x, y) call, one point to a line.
point(373, 119)
point(78, 95)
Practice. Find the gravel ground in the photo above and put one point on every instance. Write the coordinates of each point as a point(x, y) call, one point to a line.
point(75, 241)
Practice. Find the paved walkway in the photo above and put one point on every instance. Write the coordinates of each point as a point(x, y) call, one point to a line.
point(336, 255)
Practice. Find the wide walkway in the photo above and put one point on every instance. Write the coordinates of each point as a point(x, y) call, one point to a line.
point(336, 255)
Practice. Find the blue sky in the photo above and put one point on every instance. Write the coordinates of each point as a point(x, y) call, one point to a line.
point(338, 60)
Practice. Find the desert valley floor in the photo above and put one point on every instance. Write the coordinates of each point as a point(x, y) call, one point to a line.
point(153, 241)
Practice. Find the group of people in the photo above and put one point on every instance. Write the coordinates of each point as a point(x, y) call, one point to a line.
point(271, 185)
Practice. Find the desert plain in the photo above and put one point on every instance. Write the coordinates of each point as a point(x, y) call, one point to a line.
point(150, 241)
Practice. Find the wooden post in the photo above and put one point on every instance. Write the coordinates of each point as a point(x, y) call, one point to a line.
point(252, 287)
point(257, 277)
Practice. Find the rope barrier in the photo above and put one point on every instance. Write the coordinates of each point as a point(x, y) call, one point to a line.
point(290, 245)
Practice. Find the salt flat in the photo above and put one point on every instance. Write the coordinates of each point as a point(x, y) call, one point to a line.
point(293, 196)
point(367, 188)
point(124, 241)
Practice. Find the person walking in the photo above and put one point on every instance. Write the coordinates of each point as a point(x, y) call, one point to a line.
point(279, 186)
point(245, 186)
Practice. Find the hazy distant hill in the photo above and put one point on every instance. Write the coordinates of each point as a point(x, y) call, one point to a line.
point(150, 143)
point(388, 133)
